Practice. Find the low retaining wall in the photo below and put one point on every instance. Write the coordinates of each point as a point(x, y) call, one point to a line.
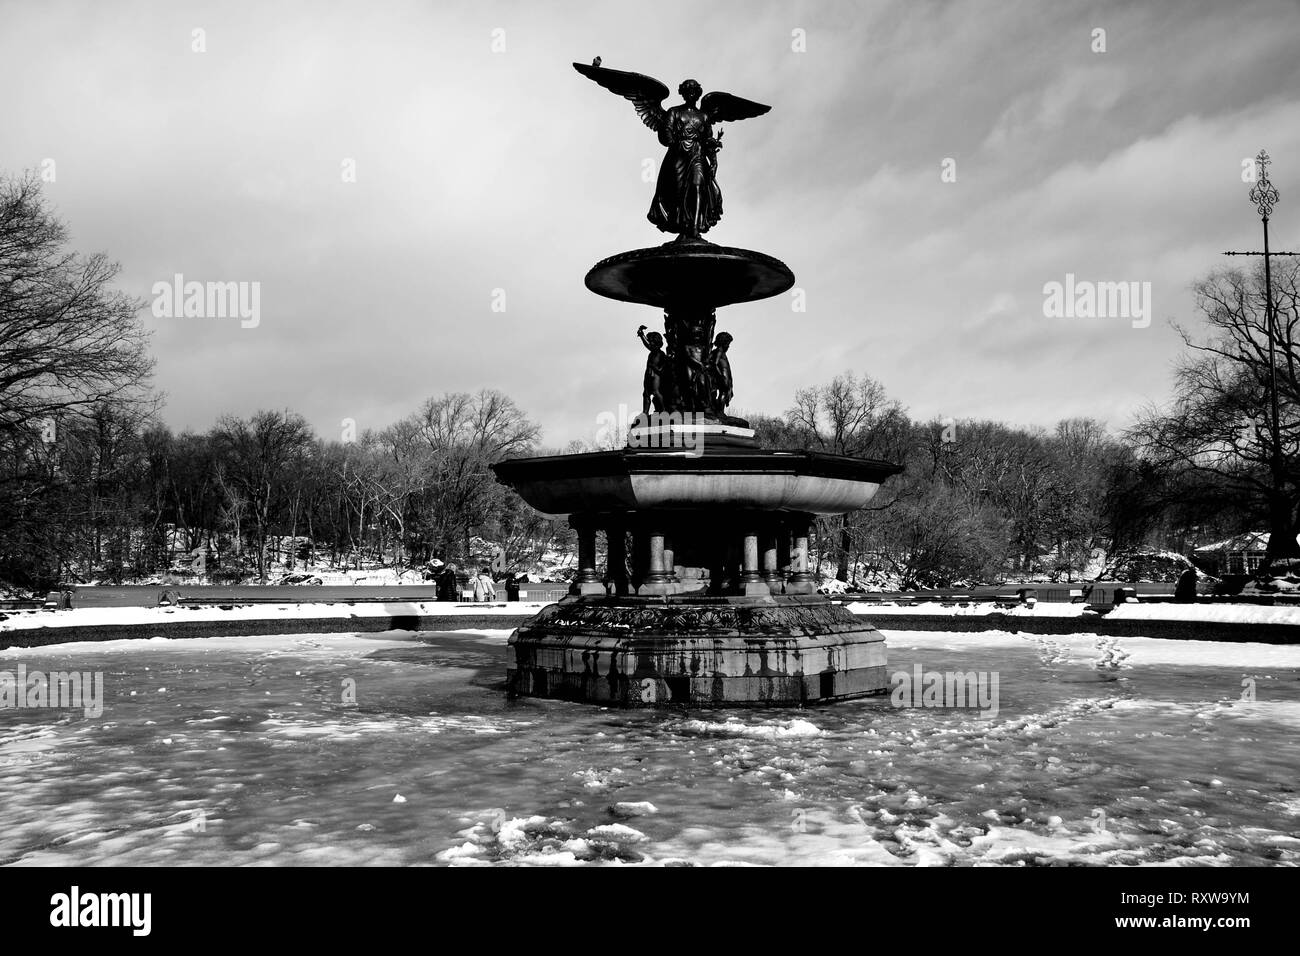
point(1100, 625)
point(42, 636)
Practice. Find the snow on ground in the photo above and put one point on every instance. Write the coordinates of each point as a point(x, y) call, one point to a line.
point(248, 750)
point(1218, 613)
point(161, 616)
point(391, 577)
point(969, 609)
point(1084, 647)
point(148, 616)
point(1150, 611)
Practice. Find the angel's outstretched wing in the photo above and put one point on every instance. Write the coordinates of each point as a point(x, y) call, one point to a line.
point(646, 93)
point(725, 108)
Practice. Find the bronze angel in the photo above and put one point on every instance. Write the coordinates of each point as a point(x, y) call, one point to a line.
point(687, 199)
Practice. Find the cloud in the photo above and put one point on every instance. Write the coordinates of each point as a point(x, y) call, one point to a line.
point(478, 171)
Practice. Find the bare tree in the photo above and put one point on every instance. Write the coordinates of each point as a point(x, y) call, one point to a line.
point(255, 458)
point(69, 342)
point(464, 435)
point(73, 365)
point(1218, 424)
point(855, 417)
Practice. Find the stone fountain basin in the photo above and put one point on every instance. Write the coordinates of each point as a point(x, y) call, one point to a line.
point(693, 273)
point(628, 479)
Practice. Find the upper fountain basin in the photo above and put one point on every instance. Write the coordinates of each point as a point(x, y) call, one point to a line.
point(689, 274)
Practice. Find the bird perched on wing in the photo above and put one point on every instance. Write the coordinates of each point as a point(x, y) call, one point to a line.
point(596, 62)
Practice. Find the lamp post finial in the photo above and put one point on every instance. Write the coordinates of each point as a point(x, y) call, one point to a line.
point(1263, 194)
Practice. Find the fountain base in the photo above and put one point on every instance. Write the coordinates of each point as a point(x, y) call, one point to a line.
point(777, 651)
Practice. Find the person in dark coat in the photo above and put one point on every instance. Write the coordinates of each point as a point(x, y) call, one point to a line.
point(447, 590)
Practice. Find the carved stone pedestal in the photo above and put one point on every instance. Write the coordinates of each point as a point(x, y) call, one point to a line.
point(698, 652)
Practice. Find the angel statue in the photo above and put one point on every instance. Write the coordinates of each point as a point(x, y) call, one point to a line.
point(687, 199)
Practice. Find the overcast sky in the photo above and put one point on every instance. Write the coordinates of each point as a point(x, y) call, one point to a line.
point(481, 170)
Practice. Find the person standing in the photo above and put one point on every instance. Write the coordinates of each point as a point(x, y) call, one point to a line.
point(447, 583)
point(484, 589)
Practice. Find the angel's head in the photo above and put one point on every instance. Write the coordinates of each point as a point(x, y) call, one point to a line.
point(690, 90)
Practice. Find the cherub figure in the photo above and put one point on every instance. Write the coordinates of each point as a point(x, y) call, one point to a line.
point(656, 366)
point(720, 386)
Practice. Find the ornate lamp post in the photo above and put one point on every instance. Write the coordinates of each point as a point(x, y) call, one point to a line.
point(1264, 196)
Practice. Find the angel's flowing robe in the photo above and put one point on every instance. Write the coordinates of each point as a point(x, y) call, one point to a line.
point(687, 198)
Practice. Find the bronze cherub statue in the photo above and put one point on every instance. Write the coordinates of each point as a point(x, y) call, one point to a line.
point(656, 368)
point(687, 199)
point(721, 391)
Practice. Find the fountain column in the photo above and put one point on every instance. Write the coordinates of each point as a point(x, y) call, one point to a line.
point(616, 559)
point(670, 560)
point(751, 580)
point(723, 571)
point(771, 573)
point(588, 581)
point(801, 580)
point(783, 554)
point(657, 578)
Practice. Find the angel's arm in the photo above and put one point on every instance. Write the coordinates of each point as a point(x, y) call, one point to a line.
point(667, 135)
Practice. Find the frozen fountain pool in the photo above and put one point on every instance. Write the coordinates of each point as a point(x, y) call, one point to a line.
point(242, 750)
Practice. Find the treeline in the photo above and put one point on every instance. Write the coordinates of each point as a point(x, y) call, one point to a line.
point(981, 501)
point(116, 497)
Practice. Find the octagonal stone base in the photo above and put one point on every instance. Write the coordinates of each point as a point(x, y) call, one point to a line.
point(779, 651)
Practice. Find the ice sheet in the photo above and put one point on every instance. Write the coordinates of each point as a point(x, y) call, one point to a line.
point(245, 750)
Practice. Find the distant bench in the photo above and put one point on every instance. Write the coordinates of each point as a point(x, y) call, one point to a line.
point(55, 601)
